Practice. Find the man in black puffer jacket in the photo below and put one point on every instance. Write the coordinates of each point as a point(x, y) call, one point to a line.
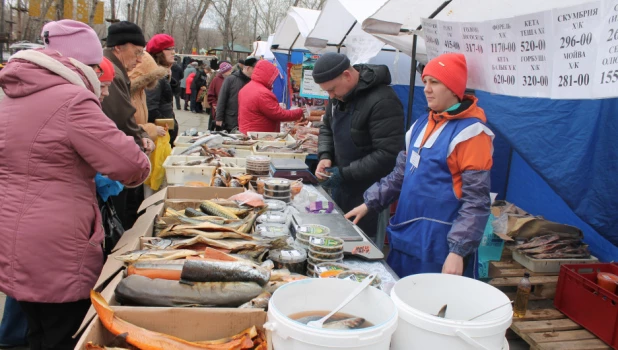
point(362, 130)
point(227, 106)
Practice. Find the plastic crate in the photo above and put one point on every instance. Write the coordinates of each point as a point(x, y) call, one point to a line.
point(301, 156)
point(580, 298)
point(240, 153)
point(179, 174)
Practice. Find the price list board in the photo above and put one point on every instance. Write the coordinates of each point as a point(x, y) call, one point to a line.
point(575, 42)
point(606, 77)
point(473, 46)
point(432, 40)
point(501, 53)
point(533, 34)
point(449, 36)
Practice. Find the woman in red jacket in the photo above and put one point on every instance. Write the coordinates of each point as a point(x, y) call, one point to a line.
point(258, 108)
point(188, 88)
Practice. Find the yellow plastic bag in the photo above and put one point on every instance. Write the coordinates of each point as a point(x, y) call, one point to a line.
point(162, 150)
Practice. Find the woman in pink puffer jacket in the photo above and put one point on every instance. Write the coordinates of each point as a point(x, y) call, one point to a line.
point(54, 138)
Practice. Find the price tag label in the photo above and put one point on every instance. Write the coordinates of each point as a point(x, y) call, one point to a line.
point(473, 46)
point(361, 249)
point(576, 38)
point(534, 41)
point(286, 253)
point(606, 76)
point(316, 240)
point(295, 253)
point(501, 56)
point(432, 40)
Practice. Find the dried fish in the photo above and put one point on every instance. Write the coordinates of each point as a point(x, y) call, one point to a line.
point(155, 255)
point(538, 241)
point(259, 302)
point(224, 271)
point(140, 290)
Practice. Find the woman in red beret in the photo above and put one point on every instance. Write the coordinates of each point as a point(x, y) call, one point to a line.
point(160, 99)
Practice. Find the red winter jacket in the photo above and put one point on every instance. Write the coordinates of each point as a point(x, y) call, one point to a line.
point(188, 82)
point(258, 108)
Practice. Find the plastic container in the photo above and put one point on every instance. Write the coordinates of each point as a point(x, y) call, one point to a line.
point(548, 265)
point(272, 230)
point(282, 199)
point(260, 185)
point(580, 298)
point(240, 153)
point(607, 281)
point(316, 261)
point(293, 259)
point(277, 184)
point(275, 205)
point(301, 156)
point(277, 194)
point(520, 306)
point(180, 174)
point(325, 256)
point(359, 276)
point(325, 270)
point(325, 294)
point(419, 297)
point(306, 232)
point(296, 187)
point(326, 244)
point(272, 218)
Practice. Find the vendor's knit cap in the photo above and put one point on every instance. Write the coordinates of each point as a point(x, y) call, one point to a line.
point(224, 67)
point(329, 67)
point(73, 39)
point(124, 32)
point(451, 70)
point(158, 43)
point(108, 71)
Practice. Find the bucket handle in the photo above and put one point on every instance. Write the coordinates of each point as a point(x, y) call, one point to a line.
point(469, 340)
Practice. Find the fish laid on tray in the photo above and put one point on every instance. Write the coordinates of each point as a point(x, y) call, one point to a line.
point(554, 246)
point(156, 255)
point(145, 339)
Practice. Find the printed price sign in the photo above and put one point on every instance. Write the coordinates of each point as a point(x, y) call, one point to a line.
point(361, 249)
point(432, 40)
point(449, 36)
point(606, 76)
point(501, 52)
point(533, 45)
point(474, 46)
point(576, 37)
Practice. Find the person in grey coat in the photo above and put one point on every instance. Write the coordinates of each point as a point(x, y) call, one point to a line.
point(227, 109)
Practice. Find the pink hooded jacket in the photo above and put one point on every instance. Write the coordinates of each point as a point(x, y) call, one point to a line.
point(54, 138)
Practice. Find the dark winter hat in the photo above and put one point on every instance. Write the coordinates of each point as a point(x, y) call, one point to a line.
point(124, 32)
point(330, 66)
point(249, 61)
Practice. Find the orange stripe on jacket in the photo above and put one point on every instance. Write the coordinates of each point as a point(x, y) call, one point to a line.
point(472, 154)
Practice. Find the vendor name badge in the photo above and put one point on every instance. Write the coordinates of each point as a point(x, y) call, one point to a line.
point(415, 159)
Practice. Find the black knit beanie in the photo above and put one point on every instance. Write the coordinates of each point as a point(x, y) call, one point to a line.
point(330, 66)
point(124, 32)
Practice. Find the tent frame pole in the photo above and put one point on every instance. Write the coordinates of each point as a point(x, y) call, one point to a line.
point(413, 64)
point(346, 36)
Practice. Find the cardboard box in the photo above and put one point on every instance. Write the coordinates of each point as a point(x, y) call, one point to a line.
point(192, 324)
point(154, 206)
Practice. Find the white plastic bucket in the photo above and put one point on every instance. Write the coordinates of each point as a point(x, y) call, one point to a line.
point(324, 295)
point(419, 297)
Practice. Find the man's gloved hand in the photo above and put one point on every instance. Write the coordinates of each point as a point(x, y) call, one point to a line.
point(335, 179)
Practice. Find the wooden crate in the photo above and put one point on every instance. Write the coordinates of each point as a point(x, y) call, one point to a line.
point(549, 329)
point(543, 327)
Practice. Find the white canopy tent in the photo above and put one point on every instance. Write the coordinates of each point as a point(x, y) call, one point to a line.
point(339, 25)
point(294, 28)
point(262, 49)
point(395, 26)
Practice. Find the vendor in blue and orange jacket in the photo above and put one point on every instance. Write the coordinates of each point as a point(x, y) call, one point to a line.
point(441, 180)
